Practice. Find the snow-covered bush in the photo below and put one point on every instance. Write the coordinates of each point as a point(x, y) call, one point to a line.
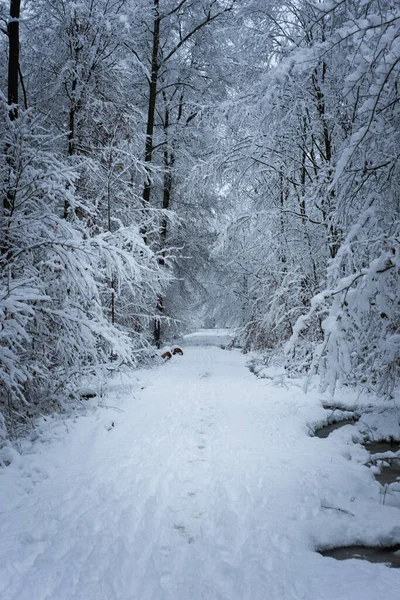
point(56, 272)
point(359, 308)
point(310, 157)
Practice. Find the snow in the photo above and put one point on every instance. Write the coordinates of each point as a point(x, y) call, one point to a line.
point(194, 480)
point(209, 337)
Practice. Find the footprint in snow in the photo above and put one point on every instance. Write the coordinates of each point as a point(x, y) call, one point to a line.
point(182, 530)
point(165, 550)
point(204, 375)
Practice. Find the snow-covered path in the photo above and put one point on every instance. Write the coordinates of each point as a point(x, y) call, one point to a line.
point(208, 486)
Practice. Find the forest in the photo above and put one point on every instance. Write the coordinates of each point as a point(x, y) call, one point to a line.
point(173, 164)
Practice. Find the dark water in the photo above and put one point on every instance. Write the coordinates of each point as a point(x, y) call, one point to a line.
point(389, 556)
point(334, 407)
point(389, 474)
point(323, 432)
point(383, 446)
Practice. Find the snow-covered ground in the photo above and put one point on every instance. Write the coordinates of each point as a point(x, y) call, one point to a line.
point(209, 337)
point(194, 481)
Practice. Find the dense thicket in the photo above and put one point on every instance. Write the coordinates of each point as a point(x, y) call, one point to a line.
point(165, 162)
point(314, 154)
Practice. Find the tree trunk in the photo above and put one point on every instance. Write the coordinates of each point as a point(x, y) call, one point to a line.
point(167, 188)
point(13, 57)
point(13, 75)
point(168, 160)
point(148, 156)
point(334, 234)
point(152, 101)
point(157, 321)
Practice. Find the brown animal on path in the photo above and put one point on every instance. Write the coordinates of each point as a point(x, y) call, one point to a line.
point(166, 355)
point(177, 350)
